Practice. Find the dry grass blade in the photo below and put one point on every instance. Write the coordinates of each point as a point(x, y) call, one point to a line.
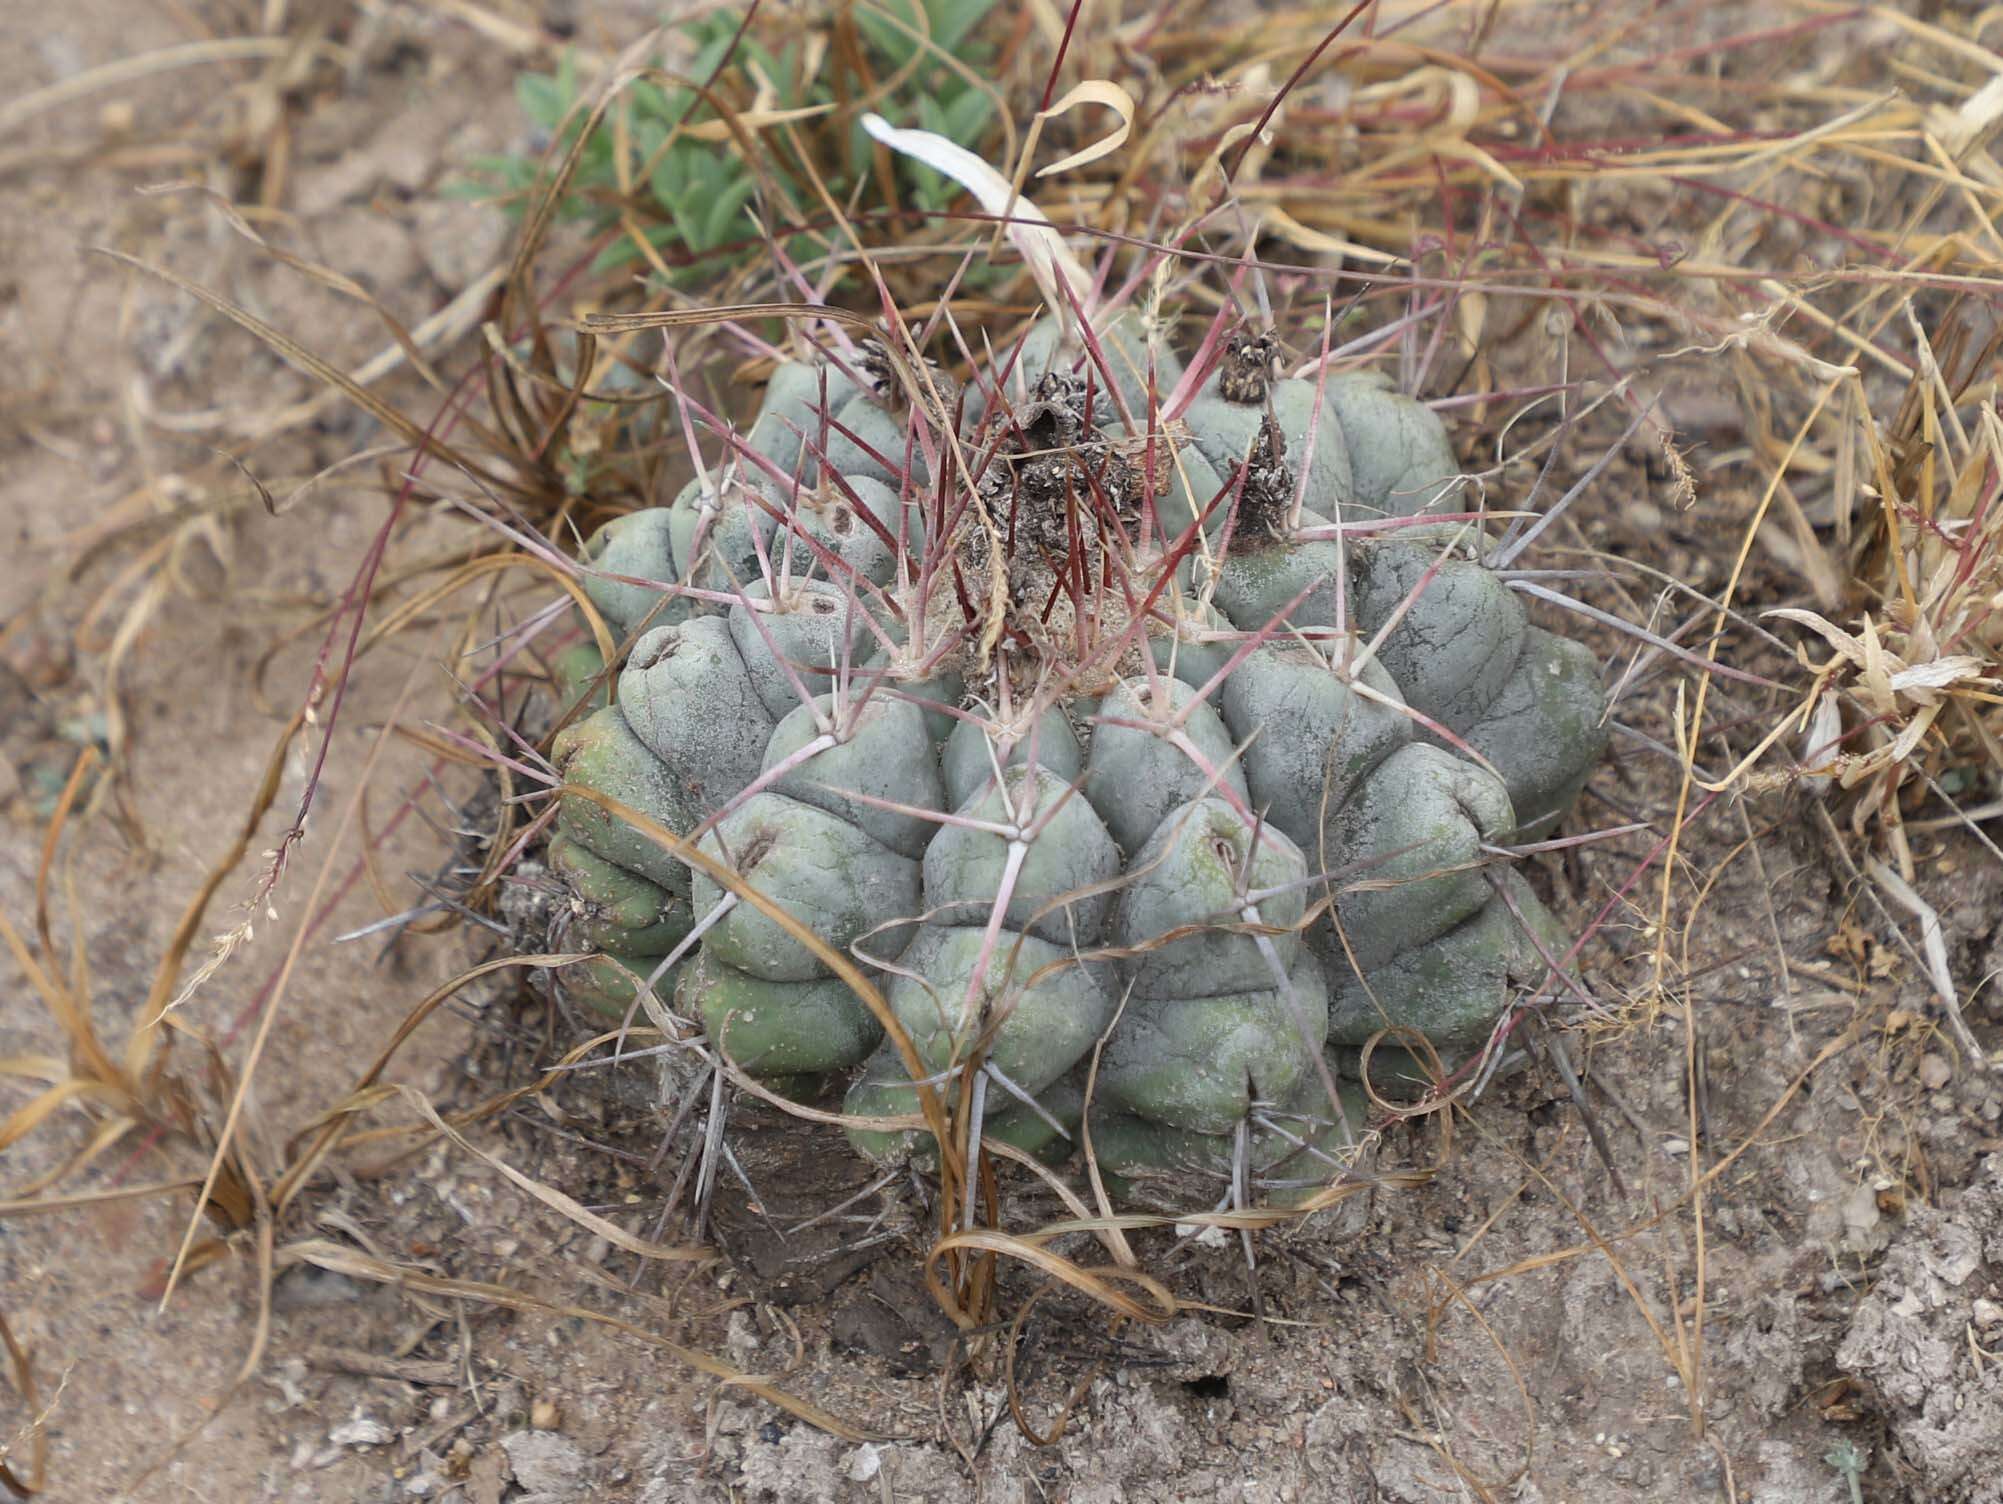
point(1831, 1051)
point(543, 213)
point(164, 994)
point(1457, 1296)
point(226, 1133)
point(43, 969)
point(1682, 1360)
point(565, 1206)
point(302, 359)
point(1099, 1284)
point(35, 1206)
point(327, 1131)
point(693, 318)
point(24, 107)
point(33, 1431)
point(1078, 1392)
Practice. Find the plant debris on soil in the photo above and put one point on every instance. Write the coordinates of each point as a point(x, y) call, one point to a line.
point(302, 1198)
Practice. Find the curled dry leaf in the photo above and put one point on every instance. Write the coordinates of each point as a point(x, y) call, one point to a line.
point(1093, 91)
point(1059, 274)
point(1457, 99)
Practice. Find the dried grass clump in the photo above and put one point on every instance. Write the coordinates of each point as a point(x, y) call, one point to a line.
point(1909, 698)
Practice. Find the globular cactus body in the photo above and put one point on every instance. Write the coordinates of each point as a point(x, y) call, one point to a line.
point(1289, 1149)
point(1220, 818)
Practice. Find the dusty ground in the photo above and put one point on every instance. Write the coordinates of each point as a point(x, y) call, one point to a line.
point(1851, 1256)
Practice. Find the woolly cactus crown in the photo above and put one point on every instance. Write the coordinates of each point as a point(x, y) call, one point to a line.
point(1098, 703)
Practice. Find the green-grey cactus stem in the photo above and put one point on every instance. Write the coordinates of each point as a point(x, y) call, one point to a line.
point(1199, 1063)
point(1032, 847)
point(794, 410)
point(1213, 903)
point(837, 880)
point(975, 750)
point(1401, 461)
point(1545, 730)
point(605, 986)
point(859, 521)
point(1263, 579)
point(1460, 634)
point(578, 676)
point(1228, 432)
point(693, 703)
point(901, 672)
point(615, 909)
point(1192, 641)
point(795, 644)
point(1048, 1129)
point(639, 549)
point(1221, 819)
point(769, 1028)
point(722, 529)
point(1034, 1006)
point(1128, 349)
point(1154, 748)
point(866, 440)
point(1317, 735)
point(602, 753)
point(1299, 1144)
point(1429, 815)
point(876, 768)
point(1453, 987)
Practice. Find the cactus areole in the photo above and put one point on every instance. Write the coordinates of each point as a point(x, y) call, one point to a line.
point(1187, 746)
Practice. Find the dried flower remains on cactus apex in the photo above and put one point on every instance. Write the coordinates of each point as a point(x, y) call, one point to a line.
point(1195, 739)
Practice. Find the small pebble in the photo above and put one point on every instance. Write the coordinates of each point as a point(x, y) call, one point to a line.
point(362, 1431)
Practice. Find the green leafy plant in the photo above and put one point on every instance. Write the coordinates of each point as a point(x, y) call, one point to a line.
point(944, 101)
point(693, 197)
point(1848, 1461)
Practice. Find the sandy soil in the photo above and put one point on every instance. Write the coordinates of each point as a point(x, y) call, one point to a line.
point(1463, 1340)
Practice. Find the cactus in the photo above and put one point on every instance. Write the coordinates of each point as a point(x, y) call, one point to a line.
point(1112, 739)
